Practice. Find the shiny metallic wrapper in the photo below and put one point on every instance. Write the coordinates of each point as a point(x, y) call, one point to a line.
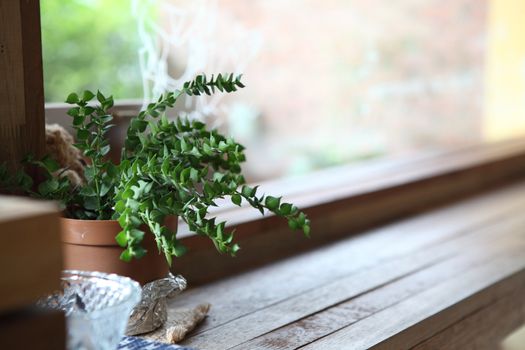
point(151, 312)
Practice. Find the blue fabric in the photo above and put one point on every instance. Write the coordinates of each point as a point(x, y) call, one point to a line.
point(135, 343)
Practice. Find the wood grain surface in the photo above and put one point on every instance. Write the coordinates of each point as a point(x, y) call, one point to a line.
point(452, 278)
point(22, 129)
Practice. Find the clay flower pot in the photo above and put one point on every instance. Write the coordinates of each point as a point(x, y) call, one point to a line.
point(90, 245)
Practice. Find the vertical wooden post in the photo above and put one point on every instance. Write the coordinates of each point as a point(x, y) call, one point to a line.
point(22, 125)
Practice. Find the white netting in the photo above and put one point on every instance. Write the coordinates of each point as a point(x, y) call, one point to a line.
point(183, 38)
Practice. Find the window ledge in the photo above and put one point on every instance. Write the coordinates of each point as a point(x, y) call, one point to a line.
point(345, 200)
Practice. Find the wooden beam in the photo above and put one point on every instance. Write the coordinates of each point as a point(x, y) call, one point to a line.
point(22, 125)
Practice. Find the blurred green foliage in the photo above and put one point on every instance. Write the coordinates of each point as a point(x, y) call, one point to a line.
point(90, 44)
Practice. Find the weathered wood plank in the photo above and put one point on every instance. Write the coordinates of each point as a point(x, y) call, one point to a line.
point(337, 317)
point(240, 330)
point(484, 329)
point(21, 81)
point(416, 319)
point(274, 283)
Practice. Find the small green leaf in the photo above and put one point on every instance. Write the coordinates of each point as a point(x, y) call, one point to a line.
point(137, 234)
point(72, 98)
point(108, 103)
point(236, 199)
point(135, 220)
point(112, 170)
point(165, 167)
point(169, 260)
point(123, 220)
point(88, 191)
point(106, 118)
point(50, 164)
point(207, 149)
point(293, 224)
point(104, 150)
point(104, 189)
point(122, 239)
point(101, 98)
point(88, 95)
point(78, 120)
point(235, 248)
point(208, 190)
point(82, 134)
point(184, 146)
point(88, 110)
point(139, 125)
point(194, 175)
point(48, 186)
point(89, 173)
point(154, 113)
point(126, 255)
point(139, 252)
point(306, 230)
point(120, 206)
point(301, 219)
point(179, 250)
point(91, 203)
point(247, 191)
point(73, 111)
point(184, 175)
point(272, 203)
point(285, 209)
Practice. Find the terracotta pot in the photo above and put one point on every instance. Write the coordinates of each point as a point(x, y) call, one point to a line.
point(90, 245)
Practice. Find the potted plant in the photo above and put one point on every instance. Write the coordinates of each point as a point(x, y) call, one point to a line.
point(168, 169)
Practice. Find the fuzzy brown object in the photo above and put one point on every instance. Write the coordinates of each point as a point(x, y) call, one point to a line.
point(59, 145)
point(180, 322)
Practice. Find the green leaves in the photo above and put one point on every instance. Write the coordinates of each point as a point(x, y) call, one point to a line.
point(285, 209)
point(272, 203)
point(50, 164)
point(72, 98)
point(201, 85)
point(139, 125)
point(236, 199)
point(23, 181)
point(300, 222)
point(78, 120)
point(104, 150)
point(105, 102)
point(127, 254)
point(83, 135)
point(91, 124)
point(47, 187)
point(87, 96)
point(168, 168)
point(248, 191)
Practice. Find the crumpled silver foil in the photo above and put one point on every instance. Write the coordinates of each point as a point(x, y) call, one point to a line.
point(152, 310)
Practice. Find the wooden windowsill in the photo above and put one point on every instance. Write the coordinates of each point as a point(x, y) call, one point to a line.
point(348, 199)
point(450, 278)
